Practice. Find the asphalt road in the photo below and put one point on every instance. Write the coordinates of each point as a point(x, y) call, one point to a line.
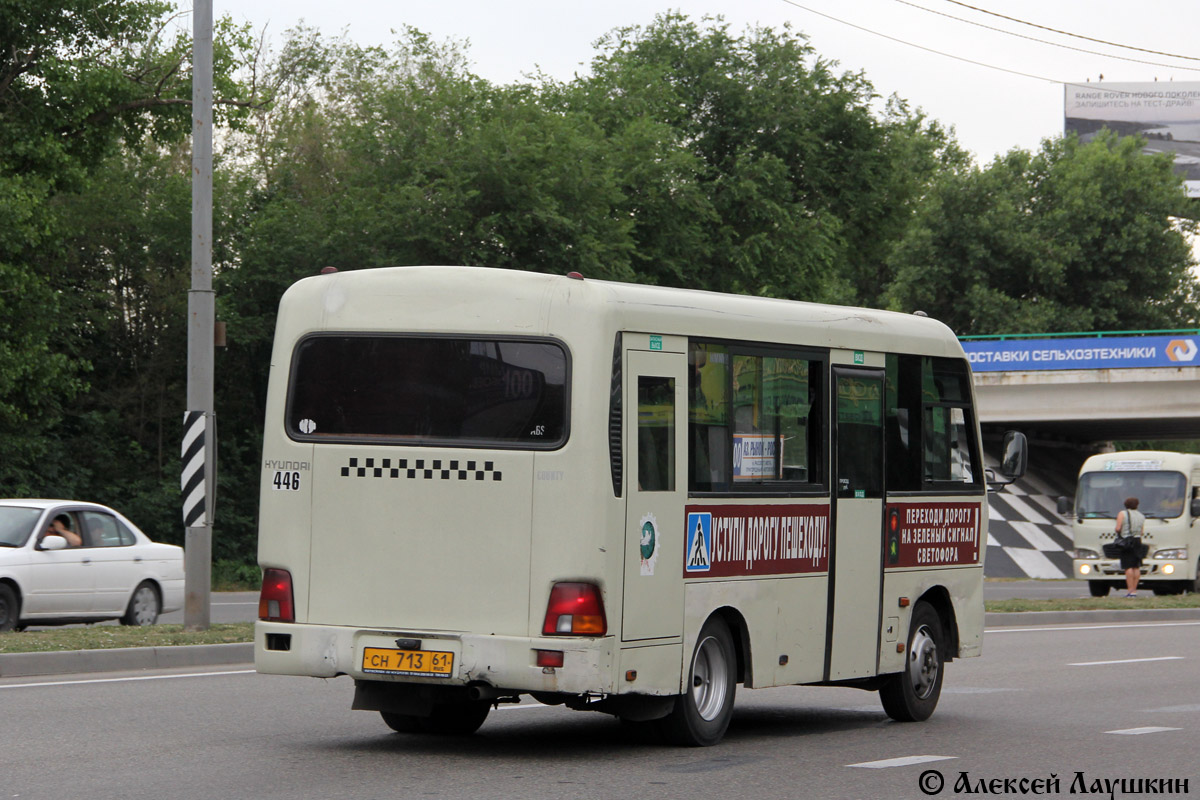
point(1042, 702)
point(228, 607)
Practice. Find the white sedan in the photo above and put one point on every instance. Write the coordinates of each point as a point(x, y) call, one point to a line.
point(63, 561)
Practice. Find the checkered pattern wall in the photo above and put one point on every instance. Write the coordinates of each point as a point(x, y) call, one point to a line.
point(1026, 536)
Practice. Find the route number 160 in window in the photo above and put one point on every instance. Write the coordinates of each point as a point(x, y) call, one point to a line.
point(286, 481)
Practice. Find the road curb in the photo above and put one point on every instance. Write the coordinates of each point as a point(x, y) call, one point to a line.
point(1002, 619)
point(24, 665)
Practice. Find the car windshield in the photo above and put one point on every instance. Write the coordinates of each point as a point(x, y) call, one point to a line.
point(16, 523)
point(1102, 494)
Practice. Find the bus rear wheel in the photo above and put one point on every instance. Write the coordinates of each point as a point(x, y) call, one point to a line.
point(402, 723)
point(701, 714)
point(457, 719)
point(447, 719)
point(912, 695)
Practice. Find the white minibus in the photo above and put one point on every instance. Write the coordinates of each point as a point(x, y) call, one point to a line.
point(1167, 486)
point(480, 485)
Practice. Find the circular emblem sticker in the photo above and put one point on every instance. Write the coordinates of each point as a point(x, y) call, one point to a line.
point(649, 544)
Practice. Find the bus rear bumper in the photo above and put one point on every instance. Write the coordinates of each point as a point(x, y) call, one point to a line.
point(502, 662)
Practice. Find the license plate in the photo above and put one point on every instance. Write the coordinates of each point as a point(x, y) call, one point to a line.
point(426, 663)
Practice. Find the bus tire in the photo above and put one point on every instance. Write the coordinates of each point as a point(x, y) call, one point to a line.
point(912, 695)
point(1098, 588)
point(402, 723)
point(701, 715)
point(456, 719)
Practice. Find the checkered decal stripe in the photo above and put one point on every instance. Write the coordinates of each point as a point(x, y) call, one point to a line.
point(421, 469)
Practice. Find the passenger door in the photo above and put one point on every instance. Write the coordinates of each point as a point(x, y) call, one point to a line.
point(656, 483)
point(59, 582)
point(116, 563)
point(856, 542)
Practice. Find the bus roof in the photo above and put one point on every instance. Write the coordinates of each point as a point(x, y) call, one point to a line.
point(1142, 460)
point(489, 300)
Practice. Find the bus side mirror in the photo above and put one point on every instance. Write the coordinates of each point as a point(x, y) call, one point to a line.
point(1013, 462)
point(1196, 506)
point(1016, 455)
point(1065, 506)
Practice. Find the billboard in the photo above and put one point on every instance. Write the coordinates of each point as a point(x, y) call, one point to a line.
point(1109, 352)
point(1166, 113)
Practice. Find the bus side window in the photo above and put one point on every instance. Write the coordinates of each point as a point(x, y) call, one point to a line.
point(708, 417)
point(656, 434)
point(950, 455)
point(902, 422)
point(929, 420)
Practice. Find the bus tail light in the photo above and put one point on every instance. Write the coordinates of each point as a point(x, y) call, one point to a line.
point(575, 609)
point(275, 600)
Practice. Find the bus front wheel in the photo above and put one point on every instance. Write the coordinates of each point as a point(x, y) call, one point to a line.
point(702, 713)
point(1098, 588)
point(912, 695)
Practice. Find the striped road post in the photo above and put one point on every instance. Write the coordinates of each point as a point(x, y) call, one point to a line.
point(192, 483)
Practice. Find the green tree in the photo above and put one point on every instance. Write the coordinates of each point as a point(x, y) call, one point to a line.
point(748, 165)
point(94, 211)
point(1076, 237)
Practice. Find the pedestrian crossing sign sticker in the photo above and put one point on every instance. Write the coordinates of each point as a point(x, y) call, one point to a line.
point(697, 557)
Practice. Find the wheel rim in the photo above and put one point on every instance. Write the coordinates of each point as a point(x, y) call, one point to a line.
point(710, 677)
point(145, 604)
point(923, 663)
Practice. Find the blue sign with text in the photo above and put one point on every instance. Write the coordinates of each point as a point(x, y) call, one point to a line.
point(1116, 352)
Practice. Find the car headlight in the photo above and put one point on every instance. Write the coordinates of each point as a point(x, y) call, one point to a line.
point(1084, 553)
point(1179, 553)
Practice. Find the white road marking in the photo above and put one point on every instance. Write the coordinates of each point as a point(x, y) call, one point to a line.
point(1175, 709)
point(900, 762)
point(1140, 731)
point(1125, 661)
point(1113, 626)
point(132, 678)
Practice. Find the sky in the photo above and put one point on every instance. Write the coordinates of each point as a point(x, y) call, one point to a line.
point(1012, 96)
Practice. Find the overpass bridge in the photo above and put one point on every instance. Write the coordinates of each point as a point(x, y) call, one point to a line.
point(1069, 393)
point(1090, 387)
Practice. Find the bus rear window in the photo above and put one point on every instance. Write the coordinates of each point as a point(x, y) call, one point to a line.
point(481, 392)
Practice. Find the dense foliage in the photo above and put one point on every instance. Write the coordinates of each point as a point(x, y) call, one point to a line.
point(1077, 237)
point(688, 155)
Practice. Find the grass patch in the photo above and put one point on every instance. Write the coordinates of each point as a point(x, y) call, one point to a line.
point(235, 576)
point(1114, 601)
point(104, 637)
